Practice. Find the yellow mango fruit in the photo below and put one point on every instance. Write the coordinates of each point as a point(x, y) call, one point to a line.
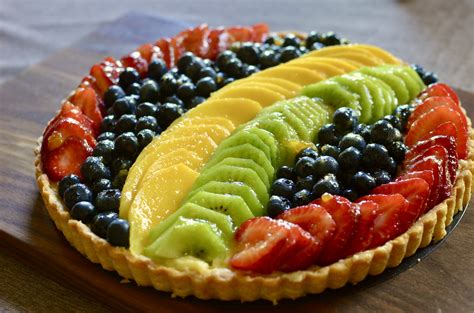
point(297, 75)
point(375, 51)
point(201, 120)
point(214, 131)
point(264, 96)
point(323, 68)
point(341, 64)
point(251, 83)
point(237, 110)
point(283, 83)
point(157, 198)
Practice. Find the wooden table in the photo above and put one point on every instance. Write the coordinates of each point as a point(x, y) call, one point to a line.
point(436, 35)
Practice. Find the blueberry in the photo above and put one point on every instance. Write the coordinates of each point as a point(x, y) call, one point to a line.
point(403, 113)
point(248, 70)
point(418, 69)
point(101, 222)
point(156, 69)
point(325, 165)
point(397, 151)
point(375, 157)
point(112, 94)
point(147, 122)
point(167, 113)
point(182, 79)
point(248, 53)
point(105, 150)
point(363, 130)
point(306, 182)
point(106, 136)
point(100, 185)
point(391, 166)
point(291, 40)
point(66, 182)
point(208, 72)
point(126, 123)
point(126, 144)
point(381, 177)
point(93, 169)
point(194, 102)
point(150, 92)
point(108, 124)
point(168, 85)
point(77, 193)
point(329, 150)
point(145, 108)
point(234, 68)
point(185, 60)
point(395, 121)
point(328, 135)
point(186, 91)
point(174, 99)
point(118, 233)
point(313, 37)
point(83, 211)
point(193, 69)
point(269, 58)
point(316, 46)
point(270, 40)
point(144, 137)
point(286, 172)
point(283, 187)
point(289, 53)
point(307, 152)
point(125, 105)
point(350, 194)
point(277, 205)
point(128, 77)
point(223, 59)
point(344, 119)
point(120, 164)
point(108, 200)
point(383, 132)
point(205, 86)
point(363, 182)
point(304, 166)
point(330, 39)
point(349, 158)
point(302, 197)
point(352, 140)
point(430, 78)
point(133, 89)
point(327, 184)
point(228, 80)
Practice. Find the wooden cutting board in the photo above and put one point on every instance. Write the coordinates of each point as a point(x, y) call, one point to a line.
point(30, 100)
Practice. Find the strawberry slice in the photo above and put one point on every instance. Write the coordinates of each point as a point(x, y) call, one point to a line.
point(195, 40)
point(445, 129)
point(64, 128)
point(265, 245)
point(149, 52)
point(364, 232)
point(136, 61)
point(432, 119)
point(240, 33)
point(415, 191)
point(434, 102)
point(346, 217)
point(67, 159)
point(426, 175)
point(105, 73)
point(435, 166)
point(305, 248)
point(390, 208)
point(218, 41)
point(439, 90)
point(164, 45)
point(70, 110)
point(314, 219)
point(260, 32)
point(89, 102)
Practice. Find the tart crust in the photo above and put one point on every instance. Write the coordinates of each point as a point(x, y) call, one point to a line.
point(228, 284)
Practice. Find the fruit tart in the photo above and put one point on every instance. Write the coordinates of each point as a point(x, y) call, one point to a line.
point(237, 164)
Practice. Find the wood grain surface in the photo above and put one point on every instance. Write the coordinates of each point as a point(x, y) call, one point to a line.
point(59, 279)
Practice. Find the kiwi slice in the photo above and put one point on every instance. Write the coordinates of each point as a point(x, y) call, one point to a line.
point(194, 211)
point(251, 164)
point(234, 188)
point(290, 118)
point(270, 141)
point(189, 237)
point(333, 94)
point(378, 98)
point(396, 83)
point(412, 82)
point(277, 126)
point(229, 173)
point(356, 84)
point(231, 205)
point(391, 100)
point(244, 151)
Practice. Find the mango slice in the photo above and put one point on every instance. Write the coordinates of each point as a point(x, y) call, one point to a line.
point(264, 96)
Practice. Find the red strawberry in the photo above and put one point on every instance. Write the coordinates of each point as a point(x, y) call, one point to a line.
point(432, 119)
point(265, 245)
point(105, 73)
point(433, 102)
point(364, 232)
point(149, 52)
point(65, 128)
point(259, 32)
point(415, 191)
point(346, 217)
point(387, 222)
point(436, 167)
point(89, 102)
point(306, 249)
point(195, 40)
point(240, 33)
point(314, 219)
point(445, 129)
point(164, 45)
point(439, 90)
point(70, 110)
point(426, 175)
point(218, 41)
point(67, 159)
point(88, 81)
point(136, 61)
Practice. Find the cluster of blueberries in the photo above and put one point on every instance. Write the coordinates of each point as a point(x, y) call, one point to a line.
point(350, 159)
